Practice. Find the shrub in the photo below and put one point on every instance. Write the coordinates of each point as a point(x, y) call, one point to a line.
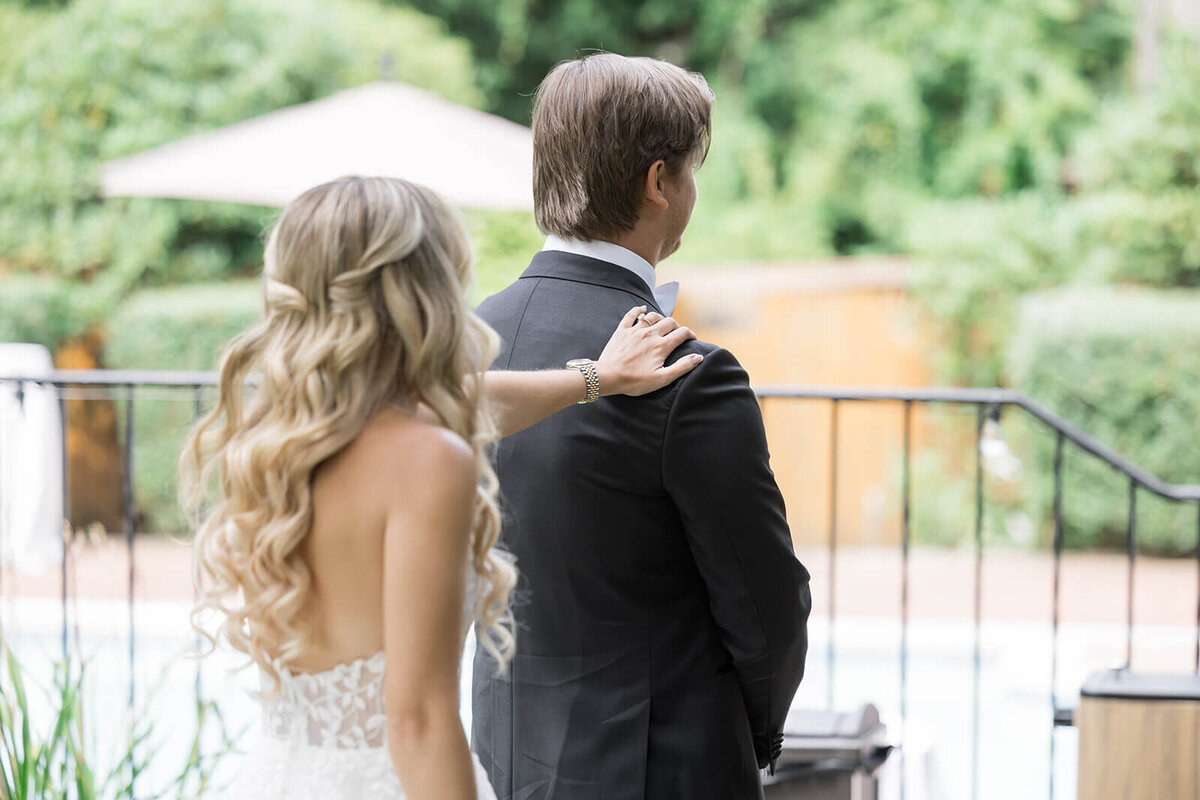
point(504, 242)
point(976, 258)
point(1133, 220)
point(1124, 365)
point(103, 79)
point(1149, 142)
point(34, 309)
point(19, 25)
point(180, 328)
point(1149, 239)
point(183, 327)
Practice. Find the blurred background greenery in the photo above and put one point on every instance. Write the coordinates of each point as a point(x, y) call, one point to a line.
point(1008, 148)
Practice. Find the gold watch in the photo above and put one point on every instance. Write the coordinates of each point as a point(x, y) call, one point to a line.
point(587, 368)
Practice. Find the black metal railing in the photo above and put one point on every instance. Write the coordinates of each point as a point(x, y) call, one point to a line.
point(122, 388)
point(988, 402)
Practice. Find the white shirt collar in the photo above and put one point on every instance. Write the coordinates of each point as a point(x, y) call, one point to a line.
point(666, 295)
point(606, 251)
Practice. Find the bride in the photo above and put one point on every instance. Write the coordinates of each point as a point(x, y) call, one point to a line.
point(348, 539)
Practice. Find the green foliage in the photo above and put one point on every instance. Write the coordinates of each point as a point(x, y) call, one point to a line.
point(504, 242)
point(1131, 237)
point(864, 107)
point(35, 762)
point(1132, 220)
point(740, 214)
point(1124, 365)
point(1149, 143)
point(1140, 170)
point(181, 328)
point(44, 756)
point(105, 79)
point(35, 309)
point(1119, 364)
point(19, 28)
point(401, 44)
point(516, 41)
point(113, 78)
point(980, 256)
point(907, 101)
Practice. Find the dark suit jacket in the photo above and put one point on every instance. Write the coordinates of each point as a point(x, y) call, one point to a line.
point(661, 611)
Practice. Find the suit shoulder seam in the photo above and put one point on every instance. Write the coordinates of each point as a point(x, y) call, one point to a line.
point(521, 321)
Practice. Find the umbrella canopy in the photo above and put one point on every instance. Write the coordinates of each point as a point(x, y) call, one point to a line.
point(473, 159)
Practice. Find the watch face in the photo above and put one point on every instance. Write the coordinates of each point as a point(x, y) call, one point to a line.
point(578, 362)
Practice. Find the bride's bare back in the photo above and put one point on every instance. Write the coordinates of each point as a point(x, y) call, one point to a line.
point(387, 465)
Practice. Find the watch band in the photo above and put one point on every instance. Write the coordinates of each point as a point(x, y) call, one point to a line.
point(587, 368)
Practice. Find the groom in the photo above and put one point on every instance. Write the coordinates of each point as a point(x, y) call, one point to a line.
point(662, 635)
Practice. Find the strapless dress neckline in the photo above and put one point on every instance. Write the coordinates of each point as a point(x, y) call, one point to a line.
point(323, 735)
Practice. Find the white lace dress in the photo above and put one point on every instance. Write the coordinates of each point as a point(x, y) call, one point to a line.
point(322, 737)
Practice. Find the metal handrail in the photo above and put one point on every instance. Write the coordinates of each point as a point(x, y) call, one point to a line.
point(117, 377)
point(991, 397)
point(996, 398)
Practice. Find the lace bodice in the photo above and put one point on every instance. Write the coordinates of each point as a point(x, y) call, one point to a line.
point(340, 708)
point(323, 735)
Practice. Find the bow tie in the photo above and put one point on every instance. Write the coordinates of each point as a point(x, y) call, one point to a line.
point(667, 296)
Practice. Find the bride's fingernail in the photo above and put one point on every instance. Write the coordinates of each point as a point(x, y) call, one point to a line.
point(697, 358)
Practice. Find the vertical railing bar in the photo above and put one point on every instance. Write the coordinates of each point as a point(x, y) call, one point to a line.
point(977, 658)
point(1196, 669)
point(197, 410)
point(1131, 548)
point(1058, 546)
point(128, 509)
point(833, 482)
point(20, 391)
point(65, 523)
point(906, 529)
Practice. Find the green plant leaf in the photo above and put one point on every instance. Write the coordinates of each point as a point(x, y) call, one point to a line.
point(21, 763)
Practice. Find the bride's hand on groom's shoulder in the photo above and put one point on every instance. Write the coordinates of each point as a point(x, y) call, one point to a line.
point(632, 361)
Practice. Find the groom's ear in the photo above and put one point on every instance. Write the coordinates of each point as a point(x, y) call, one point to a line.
point(654, 191)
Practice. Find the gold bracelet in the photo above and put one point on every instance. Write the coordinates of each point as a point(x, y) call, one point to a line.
point(587, 368)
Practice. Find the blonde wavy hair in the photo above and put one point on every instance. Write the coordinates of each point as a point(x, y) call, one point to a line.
point(364, 287)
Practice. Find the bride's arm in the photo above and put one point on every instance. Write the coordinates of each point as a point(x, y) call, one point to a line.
point(632, 363)
point(425, 556)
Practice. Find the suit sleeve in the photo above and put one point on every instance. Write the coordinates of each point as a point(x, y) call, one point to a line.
point(716, 468)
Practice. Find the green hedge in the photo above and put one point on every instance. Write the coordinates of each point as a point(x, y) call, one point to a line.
point(1124, 365)
point(184, 327)
point(34, 309)
point(46, 310)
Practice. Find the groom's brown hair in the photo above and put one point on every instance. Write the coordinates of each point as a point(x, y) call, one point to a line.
point(599, 122)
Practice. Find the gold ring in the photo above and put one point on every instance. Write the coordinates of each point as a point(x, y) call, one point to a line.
point(642, 318)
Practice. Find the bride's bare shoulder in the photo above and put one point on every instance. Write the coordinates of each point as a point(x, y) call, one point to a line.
point(399, 447)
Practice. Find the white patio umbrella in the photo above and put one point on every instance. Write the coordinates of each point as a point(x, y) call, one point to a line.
point(474, 159)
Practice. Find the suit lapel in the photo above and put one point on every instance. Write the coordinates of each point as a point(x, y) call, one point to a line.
point(584, 269)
